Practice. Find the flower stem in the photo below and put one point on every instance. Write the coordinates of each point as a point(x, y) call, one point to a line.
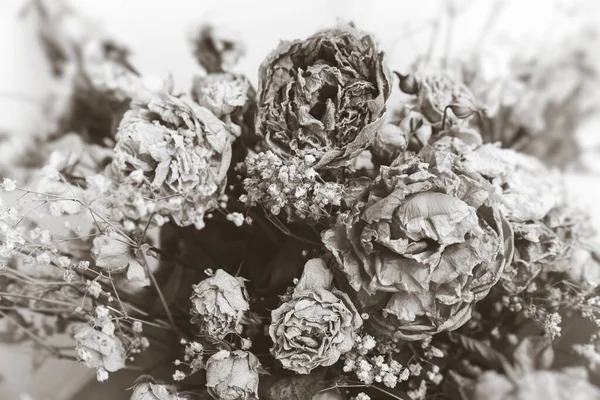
point(160, 294)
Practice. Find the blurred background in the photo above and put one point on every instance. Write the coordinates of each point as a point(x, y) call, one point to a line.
point(156, 33)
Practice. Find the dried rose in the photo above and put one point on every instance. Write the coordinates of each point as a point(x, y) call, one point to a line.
point(529, 189)
point(220, 302)
point(423, 245)
point(536, 385)
point(439, 96)
point(389, 143)
point(532, 198)
point(216, 48)
point(183, 152)
point(585, 267)
point(317, 325)
point(221, 93)
point(148, 389)
point(94, 77)
point(232, 375)
point(324, 96)
point(99, 350)
point(113, 251)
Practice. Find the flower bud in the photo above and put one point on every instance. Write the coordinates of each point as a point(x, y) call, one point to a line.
point(408, 83)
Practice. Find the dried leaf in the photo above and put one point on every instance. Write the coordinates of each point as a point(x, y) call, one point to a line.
point(297, 387)
point(492, 356)
point(534, 353)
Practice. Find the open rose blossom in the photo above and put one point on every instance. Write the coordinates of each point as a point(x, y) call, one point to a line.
point(220, 302)
point(317, 325)
point(424, 243)
point(178, 152)
point(324, 96)
point(232, 375)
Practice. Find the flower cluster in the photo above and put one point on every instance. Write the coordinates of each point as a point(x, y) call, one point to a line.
point(292, 188)
point(370, 369)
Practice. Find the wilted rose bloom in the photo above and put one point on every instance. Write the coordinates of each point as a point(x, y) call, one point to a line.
point(97, 349)
point(585, 268)
point(216, 48)
point(565, 384)
point(153, 391)
point(533, 200)
point(232, 375)
point(423, 245)
point(324, 96)
point(220, 93)
point(529, 189)
point(220, 302)
point(435, 92)
point(317, 325)
point(178, 152)
point(112, 251)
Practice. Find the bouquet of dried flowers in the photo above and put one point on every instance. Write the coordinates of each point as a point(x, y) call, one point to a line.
point(304, 239)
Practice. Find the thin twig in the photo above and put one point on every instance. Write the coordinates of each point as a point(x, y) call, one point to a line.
point(160, 294)
point(55, 352)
